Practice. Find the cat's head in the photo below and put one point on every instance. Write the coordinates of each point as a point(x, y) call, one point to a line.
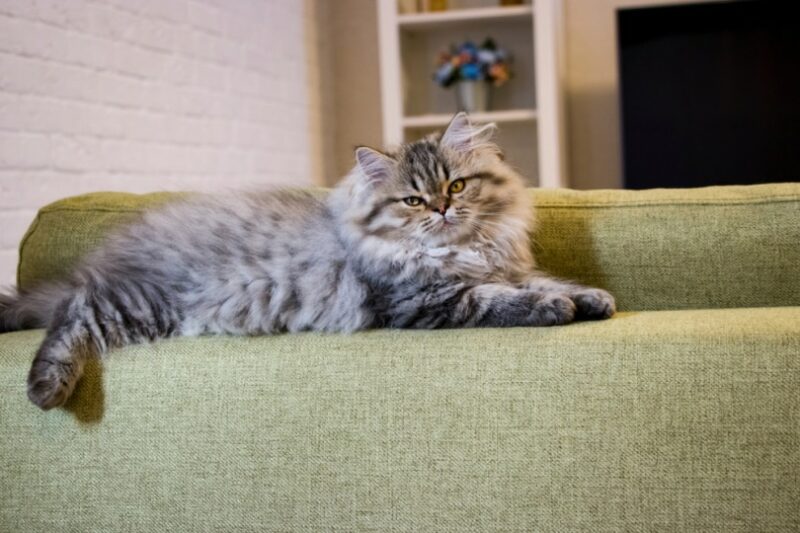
point(449, 189)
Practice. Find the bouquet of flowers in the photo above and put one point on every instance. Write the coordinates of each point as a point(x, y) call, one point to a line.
point(473, 63)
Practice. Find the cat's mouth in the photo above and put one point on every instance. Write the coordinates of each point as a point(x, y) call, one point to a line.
point(446, 224)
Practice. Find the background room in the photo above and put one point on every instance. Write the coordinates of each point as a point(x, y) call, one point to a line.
point(210, 95)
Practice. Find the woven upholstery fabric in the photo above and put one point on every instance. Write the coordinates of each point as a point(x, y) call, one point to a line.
point(658, 249)
point(652, 421)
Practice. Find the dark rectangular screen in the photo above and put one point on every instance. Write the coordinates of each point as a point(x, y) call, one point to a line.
point(710, 93)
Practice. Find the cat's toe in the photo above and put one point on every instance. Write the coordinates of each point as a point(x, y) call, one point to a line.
point(50, 383)
point(553, 310)
point(594, 304)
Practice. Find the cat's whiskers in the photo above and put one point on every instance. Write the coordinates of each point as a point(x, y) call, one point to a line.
point(481, 229)
point(490, 223)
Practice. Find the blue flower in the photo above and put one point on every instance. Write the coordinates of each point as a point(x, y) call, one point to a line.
point(471, 71)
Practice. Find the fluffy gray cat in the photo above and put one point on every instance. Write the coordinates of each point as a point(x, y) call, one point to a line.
point(434, 235)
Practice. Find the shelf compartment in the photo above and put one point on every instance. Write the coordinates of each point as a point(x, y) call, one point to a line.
point(421, 95)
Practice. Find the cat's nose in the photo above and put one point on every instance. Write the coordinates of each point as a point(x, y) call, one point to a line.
point(442, 209)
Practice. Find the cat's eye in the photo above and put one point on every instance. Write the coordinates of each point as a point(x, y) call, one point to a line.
point(412, 200)
point(457, 186)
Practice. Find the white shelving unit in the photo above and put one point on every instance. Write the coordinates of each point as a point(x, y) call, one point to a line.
point(529, 109)
point(443, 119)
point(438, 19)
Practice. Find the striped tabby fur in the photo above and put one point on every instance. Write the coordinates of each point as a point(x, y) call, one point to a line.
point(434, 235)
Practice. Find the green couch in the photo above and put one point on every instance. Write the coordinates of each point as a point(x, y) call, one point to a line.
point(682, 413)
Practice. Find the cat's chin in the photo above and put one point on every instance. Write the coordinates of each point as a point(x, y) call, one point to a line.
point(445, 235)
point(444, 225)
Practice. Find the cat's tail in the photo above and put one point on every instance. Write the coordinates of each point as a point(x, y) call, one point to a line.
point(29, 309)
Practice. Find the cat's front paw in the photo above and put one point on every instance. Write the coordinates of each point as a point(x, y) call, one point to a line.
point(552, 309)
point(51, 382)
point(595, 304)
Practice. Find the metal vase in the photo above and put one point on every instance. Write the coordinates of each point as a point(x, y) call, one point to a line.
point(473, 96)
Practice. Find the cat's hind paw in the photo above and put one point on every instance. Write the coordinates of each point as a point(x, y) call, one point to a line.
point(51, 382)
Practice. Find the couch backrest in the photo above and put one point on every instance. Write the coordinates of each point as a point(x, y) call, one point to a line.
point(656, 249)
point(710, 247)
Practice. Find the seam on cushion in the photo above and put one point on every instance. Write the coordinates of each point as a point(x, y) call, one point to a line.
point(109, 209)
point(733, 202)
point(94, 209)
point(31, 230)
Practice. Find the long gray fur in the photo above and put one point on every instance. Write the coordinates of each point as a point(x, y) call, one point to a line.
point(287, 261)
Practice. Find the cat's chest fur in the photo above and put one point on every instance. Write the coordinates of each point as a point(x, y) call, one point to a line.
point(389, 262)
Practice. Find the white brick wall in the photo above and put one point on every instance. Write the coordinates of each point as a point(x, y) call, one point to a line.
point(144, 95)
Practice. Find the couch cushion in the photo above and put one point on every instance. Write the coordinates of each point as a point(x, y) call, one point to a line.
point(657, 249)
point(653, 421)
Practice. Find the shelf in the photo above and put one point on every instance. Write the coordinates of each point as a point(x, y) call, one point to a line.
point(422, 21)
point(443, 119)
point(531, 107)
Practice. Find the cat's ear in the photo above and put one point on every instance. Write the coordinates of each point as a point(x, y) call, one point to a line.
point(462, 136)
point(374, 165)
